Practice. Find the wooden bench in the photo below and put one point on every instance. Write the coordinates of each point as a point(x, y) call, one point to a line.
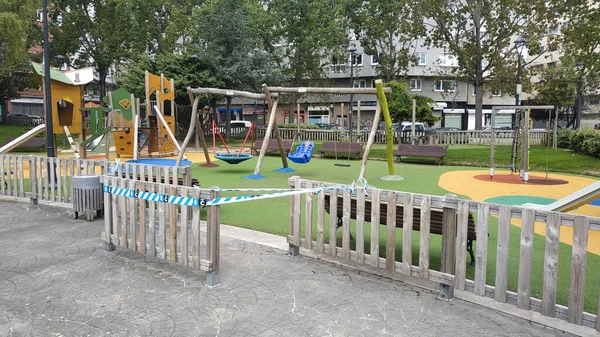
point(38, 143)
point(430, 151)
point(435, 226)
point(342, 147)
point(273, 146)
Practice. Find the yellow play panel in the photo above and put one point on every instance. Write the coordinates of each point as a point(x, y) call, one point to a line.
point(465, 183)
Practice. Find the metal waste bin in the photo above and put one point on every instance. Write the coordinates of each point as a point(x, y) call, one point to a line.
point(87, 196)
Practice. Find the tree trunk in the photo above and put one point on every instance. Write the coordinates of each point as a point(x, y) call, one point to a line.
point(228, 118)
point(102, 82)
point(4, 109)
point(478, 105)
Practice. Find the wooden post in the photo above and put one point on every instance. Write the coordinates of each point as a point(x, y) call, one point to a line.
point(407, 232)
point(578, 267)
point(213, 232)
point(360, 229)
point(483, 214)
point(390, 237)
point(358, 117)
point(333, 222)
point(370, 141)
point(32, 179)
point(346, 225)
point(135, 129)
point(276, 130)
point(375, 209)
point(504, 217)
point(424, 243)
point(448, 238)
point(190, 132)
point(414, 116)
point(462, 227)
point(308, 218)
point(71, 142)
point(525, 259)
point(550, 264)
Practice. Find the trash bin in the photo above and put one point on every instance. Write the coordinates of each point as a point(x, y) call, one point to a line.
point(87, 196)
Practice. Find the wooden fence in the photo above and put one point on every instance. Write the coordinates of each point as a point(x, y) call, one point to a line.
point(163, 230)
point(319, 235)
point(49, 179)
point(480, 137)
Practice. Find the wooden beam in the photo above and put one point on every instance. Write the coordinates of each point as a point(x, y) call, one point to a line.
point(313, 90)
point(230, 93)
point(276, 129)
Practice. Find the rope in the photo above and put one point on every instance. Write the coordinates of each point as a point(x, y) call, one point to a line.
point(250, 130)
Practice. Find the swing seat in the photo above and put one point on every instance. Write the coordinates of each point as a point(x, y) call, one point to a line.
point(303, 153)
point(232, 158)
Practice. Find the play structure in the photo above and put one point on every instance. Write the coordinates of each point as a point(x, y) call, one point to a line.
point(572, 201)
point(67, 102)
point(271, 95)
point(520, 144)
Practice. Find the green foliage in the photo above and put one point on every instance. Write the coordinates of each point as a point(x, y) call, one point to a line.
point(383, 33)
point(100, 32)
point(17, 24)
point(557, 85)
point(400, 104)
point(313, 31)
point(186, 71)
point(295, 126)
point(231, 32)
point(584, 141)
point(480, 35)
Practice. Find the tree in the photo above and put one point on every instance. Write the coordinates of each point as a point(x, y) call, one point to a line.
point(17, 22)
point(186, 71)
point(98, 33)
point(480, 35)
point(400, 104)
point(579, 21)
point(381, 33)
point(308, 34)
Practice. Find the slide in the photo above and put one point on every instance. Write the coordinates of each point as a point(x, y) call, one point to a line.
point(303, 153)
point(94, 143)
point(573, 200)
point(22, 139)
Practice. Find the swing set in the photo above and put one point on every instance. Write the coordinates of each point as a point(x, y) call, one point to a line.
point(232, 158)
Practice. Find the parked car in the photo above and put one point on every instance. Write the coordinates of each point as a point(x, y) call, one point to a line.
point(446, 129)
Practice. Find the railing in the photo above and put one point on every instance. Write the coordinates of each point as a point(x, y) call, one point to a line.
point(452, 258)
point(160, 229)
point(480, 137)
point(23, 121)
point(49, 179)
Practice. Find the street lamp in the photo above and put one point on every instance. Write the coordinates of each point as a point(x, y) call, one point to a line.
point(580, 66)
point(520, 42)
point(352, 50)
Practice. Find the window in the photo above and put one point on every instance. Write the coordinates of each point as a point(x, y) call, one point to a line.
point(375, 59)
point(357, 60)
point(39, 15)
point(336, 66)
point(594, 101)
point(415, 84)
point(445, 85)
point(496, 93)
point(360, 84)
point(421, 59)
point(553, 30)
point(448, 60)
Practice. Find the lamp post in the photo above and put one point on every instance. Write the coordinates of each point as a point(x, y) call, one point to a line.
point(519, 43)
point(579, 65)
point(352, 50)
point(47, 91)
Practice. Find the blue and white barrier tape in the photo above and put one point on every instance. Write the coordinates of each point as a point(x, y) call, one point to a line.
point(196, 202)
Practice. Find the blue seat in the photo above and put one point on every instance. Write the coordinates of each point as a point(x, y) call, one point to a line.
point(303, 153)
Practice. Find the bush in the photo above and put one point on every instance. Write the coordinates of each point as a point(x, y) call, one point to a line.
point(295, 126)
point(584, 141)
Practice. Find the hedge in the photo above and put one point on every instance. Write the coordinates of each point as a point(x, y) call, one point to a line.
point(584, 141)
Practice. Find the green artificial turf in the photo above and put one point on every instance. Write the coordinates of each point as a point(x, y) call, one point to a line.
point(272, 215)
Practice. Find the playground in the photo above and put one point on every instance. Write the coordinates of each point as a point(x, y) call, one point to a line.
point(122, 132)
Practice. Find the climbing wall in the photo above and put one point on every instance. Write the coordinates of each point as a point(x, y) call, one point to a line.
point(123, 143)
point(159, 140)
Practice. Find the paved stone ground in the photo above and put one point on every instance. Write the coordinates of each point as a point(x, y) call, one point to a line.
point(56, 280)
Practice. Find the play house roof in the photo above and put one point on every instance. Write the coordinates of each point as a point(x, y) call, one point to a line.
point(73, 77)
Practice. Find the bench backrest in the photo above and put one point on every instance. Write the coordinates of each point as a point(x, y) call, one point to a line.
point(422, 149)
point(344, 147)
point(272, 145)
point(435, 224)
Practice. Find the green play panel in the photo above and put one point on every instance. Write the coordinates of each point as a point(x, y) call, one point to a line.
point(518, 200)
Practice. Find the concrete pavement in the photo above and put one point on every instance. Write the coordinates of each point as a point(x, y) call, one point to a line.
point(56, 280)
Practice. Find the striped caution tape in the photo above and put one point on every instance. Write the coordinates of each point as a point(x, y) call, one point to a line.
point(197, 202)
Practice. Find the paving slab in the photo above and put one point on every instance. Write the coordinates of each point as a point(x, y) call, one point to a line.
point(56, 280)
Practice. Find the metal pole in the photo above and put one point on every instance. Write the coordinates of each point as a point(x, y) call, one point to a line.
point(577, 124)
point(518, 92)
point(351, 95)
point(47, 91)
